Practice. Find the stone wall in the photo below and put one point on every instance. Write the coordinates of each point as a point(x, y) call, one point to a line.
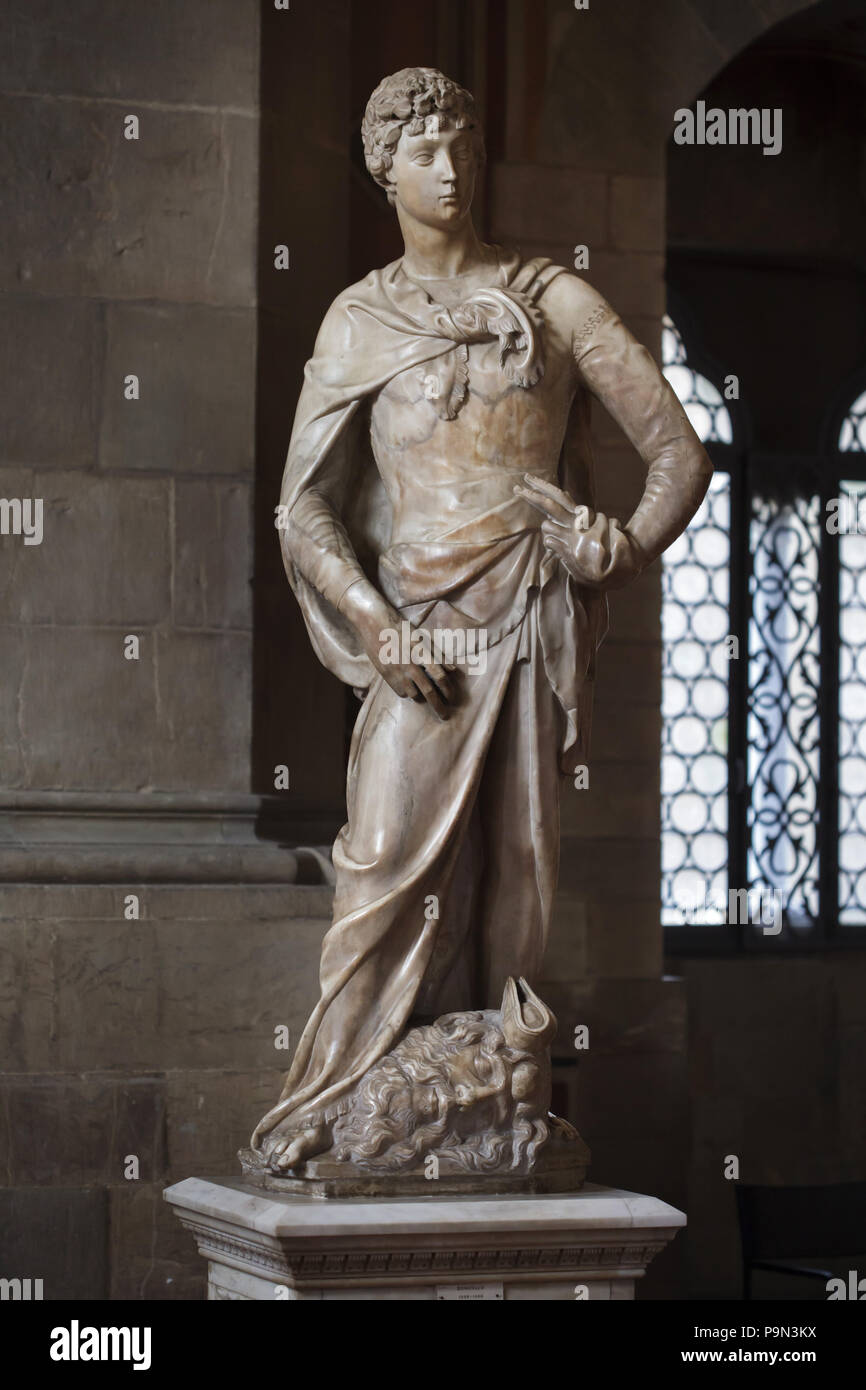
point(150, 1041)
point(129, 257)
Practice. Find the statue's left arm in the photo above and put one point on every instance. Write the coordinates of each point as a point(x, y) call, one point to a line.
point(622, 375)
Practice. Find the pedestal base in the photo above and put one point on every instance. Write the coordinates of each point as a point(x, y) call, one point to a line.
point(267, 1245)
point(560, 1167)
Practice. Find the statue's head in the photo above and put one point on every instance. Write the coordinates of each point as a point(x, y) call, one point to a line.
point(456, 1086)
point(423, 144)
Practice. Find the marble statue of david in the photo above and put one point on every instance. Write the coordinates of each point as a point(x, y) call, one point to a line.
point(440, 474)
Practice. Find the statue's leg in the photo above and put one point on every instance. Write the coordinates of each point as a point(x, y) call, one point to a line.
point(450, 983)
point(519, 808)
point(412, 787)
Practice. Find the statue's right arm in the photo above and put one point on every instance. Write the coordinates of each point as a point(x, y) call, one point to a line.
point(315, 542)
point(318, 544)
point(312, 535)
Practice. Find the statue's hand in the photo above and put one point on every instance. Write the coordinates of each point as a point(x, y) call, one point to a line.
point(595, 549)
point(373, 617)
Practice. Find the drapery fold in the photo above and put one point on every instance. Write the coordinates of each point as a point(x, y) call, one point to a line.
point(373, 331)
point(419, 791)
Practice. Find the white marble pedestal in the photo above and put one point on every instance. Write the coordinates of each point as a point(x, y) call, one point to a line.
point(264, 1245)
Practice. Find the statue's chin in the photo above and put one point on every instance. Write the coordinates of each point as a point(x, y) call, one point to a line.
point(443, 217)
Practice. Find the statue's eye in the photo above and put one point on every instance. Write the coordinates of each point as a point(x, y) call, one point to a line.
point(423, 159)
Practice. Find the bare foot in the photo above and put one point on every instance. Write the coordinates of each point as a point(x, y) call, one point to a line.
point(297, 1147)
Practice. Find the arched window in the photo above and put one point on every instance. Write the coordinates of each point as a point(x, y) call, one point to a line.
point(695, 623)
point(784, 757)
point(707, 412)
point(851, 521)
point(764, 685)
point(852, 435)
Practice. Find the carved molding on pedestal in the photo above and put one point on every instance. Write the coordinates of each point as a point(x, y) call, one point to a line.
point(297, 1266)
point(262, 1245)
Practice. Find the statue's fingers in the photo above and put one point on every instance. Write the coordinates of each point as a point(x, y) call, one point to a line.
point(548, 506)
point(441, 677)
point(541, 504)
point(550, 490)
point(400, 683)
point(556, 529)
point(585, 572)
point(599, 527)
point(556, 545)
point(588, 569)
point(429, 692)
point(590, 550)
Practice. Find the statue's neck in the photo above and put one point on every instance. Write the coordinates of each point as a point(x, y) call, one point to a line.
point(456, 289)
point(437, 255)
point(450, 274)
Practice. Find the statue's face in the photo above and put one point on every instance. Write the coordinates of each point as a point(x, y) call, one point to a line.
point(433, 174)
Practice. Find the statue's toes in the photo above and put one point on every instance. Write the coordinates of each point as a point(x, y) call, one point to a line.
point(290, 1152)
point(277, 1154)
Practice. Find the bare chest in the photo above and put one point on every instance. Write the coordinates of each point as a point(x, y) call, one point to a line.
point(462, 405)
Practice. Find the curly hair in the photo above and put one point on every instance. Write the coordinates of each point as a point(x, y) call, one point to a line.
point(409, 1103)
point(404, 101)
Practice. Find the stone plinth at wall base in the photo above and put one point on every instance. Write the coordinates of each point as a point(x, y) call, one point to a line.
point(266, 1245)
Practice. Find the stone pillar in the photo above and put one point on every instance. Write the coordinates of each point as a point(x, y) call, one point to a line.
point(133, 873)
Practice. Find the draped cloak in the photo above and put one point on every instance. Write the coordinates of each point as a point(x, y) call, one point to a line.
point(385, 325)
